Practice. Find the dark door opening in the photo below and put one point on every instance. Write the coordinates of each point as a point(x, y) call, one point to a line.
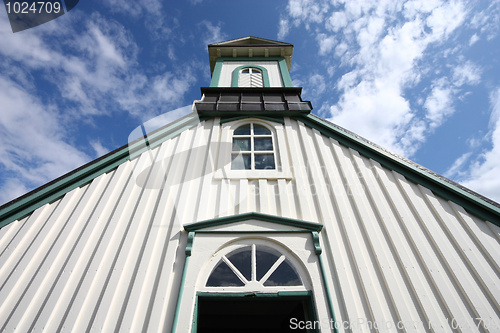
point(262, 313)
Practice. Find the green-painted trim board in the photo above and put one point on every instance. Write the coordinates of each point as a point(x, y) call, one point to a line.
point(236, 75)
point(283, 68)
point(310, 226)
point(22, 206)
point(439, 186)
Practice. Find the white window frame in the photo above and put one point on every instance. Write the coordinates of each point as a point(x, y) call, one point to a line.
point(208, 247)
point(252, 152)
point(251, 286)
point(254, 76)
point(282, 161)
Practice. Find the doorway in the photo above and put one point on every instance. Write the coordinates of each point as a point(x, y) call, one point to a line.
point(254, 313)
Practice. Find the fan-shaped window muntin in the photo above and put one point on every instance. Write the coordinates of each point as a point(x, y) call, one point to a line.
point(256, 266)
point(253, 148)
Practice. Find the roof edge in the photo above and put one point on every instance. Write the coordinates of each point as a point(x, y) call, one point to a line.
point(471, 201)
point(24, 205)
point(267, 42)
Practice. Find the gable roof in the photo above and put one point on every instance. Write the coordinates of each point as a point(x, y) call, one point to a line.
point(250, 47)
point(249, 40)
point(471, 201)
point(26, 204)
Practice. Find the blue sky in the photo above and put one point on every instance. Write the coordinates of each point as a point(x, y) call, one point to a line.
point(421, 78)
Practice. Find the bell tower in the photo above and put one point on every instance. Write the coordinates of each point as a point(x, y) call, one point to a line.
point(251, 77)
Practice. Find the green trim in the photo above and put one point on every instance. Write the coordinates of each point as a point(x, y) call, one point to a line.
point(283, 67)
point(194, 324)
point(285, 74)
point(309, 226)
point(157, 137)
point(296, 293)
point(189, 247)
point(236, 75)
point(217, 72)
point(318, 250)
point(317, 246)
point(52, 191)
point(253, 232)
point(470, 202)
point(276, 120)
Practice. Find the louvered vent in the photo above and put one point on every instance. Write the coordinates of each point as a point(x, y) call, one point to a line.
point(250, 77)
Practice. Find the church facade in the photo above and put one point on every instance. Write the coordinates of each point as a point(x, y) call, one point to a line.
point(250, 214)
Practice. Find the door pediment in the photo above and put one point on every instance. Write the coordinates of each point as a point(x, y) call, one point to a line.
point(253, 222)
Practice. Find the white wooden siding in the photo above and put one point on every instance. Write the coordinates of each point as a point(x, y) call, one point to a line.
point(272, 67)
point(109, 255)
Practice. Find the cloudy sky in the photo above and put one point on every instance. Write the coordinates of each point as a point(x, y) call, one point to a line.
point(421, 78)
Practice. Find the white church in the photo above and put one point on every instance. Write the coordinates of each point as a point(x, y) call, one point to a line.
point(250, 214)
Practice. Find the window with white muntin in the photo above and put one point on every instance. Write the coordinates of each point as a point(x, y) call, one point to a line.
point(263, 265)
point(253, 148)
point(254, 266)
point(250, 77)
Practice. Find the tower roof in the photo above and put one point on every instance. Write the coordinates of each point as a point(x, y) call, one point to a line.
point(248, 47)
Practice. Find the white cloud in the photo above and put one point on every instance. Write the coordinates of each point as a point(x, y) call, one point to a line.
point(382, 48)
point(47, 87)
point(473, 39)
point(439, 104)
point(456, 168)
point(376, 109)
point(446, 18)
point(326, 43)
point(316, 85)
point(308, 10)
point(98, 147)
point(486, 22)
point(212, 33)
point(33, 144)
point(149, 11)
point(337, 21)
point(284, 28)
point(11, 189)
point(483, 174)
point(386, 53)
point(372, 101)
point(466, 73)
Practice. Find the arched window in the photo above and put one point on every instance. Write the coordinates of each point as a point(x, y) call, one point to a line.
point(250, 77)
point(252, 273)
point(254, 287)
point(259, 265)
point(253, 148)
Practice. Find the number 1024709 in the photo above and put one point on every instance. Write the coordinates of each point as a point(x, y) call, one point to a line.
point(35, 7)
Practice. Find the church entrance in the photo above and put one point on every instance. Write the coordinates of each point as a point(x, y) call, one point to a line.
point(255, 313)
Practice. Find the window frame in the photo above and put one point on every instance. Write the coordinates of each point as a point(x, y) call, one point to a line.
point(208, 240)
point(253, 72)
point(252, 152)
point(282, 168)
point(237, 71)
point(253, 287)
